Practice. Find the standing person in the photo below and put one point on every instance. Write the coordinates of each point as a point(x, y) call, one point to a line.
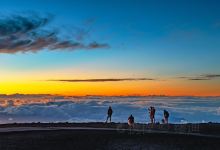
point(131, 121)
point(109, 113)
point(166, 116)
point(152, 111)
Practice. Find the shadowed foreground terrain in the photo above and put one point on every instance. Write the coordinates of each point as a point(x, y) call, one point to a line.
point(106, 136)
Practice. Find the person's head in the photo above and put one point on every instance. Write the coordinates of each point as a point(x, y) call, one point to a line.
point(110, 107)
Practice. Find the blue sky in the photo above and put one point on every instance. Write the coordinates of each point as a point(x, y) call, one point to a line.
point(138, 30)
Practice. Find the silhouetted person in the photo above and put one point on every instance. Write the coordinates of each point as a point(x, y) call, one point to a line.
point(131, 121)
point(166, 116)
point(152, 111)
point(109, 113)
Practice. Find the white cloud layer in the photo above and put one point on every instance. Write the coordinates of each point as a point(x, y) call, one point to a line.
point(22, 108)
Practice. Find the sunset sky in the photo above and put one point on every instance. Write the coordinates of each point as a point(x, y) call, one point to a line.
point(114, 47)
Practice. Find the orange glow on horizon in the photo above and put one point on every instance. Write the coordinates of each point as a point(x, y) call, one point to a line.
point(124, 88)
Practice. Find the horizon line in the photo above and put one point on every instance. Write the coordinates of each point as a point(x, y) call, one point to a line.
point(149, 95)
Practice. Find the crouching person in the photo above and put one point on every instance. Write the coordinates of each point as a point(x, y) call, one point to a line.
point(131, 121)
point(166, 116)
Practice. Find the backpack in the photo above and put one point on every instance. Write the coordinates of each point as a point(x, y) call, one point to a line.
point(153, 110)
point(132, 119)
point(110, 111)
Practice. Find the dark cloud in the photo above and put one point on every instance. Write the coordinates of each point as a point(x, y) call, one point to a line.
point(103, 80)
point(182, 77)
point(196, 79)
point(17, 24)
point(83, 32)
point(30, 33)
point(202, 77)
point(212, 75)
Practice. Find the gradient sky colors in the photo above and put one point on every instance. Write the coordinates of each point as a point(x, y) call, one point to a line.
point(173, 45)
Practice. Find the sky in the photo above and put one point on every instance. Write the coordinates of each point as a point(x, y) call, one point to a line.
point(110, 48)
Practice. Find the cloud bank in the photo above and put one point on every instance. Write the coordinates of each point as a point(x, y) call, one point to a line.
point(94, 108)
point(30, 33)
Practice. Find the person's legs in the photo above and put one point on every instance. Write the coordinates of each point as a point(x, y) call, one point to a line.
point(107, 118)
point(151, 119)
point(110, 118)
point(166, 120)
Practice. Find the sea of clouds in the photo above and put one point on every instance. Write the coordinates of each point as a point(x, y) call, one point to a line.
point(46, 108)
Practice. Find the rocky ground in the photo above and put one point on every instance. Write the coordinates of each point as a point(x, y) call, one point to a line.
point(68, 136)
